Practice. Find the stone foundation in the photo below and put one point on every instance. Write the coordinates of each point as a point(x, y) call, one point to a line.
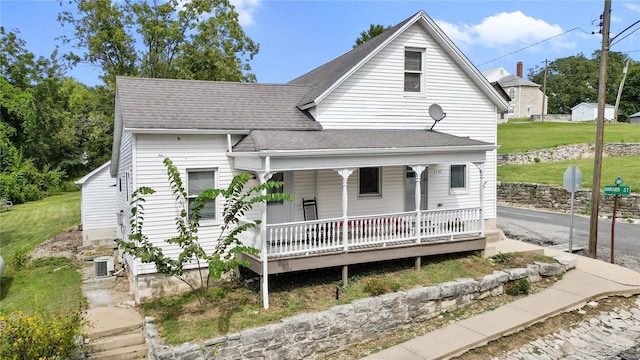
point(569, 152)
point(148, 287)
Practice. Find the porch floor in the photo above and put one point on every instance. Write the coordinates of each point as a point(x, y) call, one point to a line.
point(366, 253)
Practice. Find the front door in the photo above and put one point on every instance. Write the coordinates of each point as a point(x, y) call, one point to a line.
point(281, 211)
point(410, 190)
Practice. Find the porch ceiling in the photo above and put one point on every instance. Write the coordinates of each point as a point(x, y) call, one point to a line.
point(353, 148)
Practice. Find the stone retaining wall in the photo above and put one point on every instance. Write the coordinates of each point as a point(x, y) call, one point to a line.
point(558, 198)
point(316, 335)
point(569, 152)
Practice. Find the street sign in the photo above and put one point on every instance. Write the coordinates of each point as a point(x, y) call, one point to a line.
point(617, 190)
point(572, 178)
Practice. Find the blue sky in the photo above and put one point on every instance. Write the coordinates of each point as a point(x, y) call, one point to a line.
point(296, 36)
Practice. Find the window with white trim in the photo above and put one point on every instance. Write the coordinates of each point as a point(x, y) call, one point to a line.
point(512, 110)
point(369, 182)
point(458, 177)
point(197, 182)
point(413, 61)
point(512, 93)
point(276, 190)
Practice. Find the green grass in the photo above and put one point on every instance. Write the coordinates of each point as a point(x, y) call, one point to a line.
point(25, 226)
point(522, 137)
point(51, 285)
point(551, 173)
point(238, 306)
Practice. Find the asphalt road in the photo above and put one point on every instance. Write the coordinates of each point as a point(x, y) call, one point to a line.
point(551, 228)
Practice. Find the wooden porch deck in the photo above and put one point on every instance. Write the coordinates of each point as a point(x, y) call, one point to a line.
point(366, 253)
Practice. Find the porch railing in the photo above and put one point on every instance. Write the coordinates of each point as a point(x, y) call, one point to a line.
point(305, 237)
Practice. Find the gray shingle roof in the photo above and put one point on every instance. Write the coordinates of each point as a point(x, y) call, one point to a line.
point(210, 105)
point(332, 139)
point(515, 80)
point(322, 78)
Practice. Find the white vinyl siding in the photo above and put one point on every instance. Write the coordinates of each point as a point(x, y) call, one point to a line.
point(374, 98)
point(186, 152)
point(99, 199)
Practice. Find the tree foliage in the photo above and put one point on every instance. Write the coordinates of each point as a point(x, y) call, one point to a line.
point(374, 30)
point(238, 200)
point(575, 79)
point(199, 40)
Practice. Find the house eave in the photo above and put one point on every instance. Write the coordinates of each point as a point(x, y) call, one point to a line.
point(372, 152)
point(186, 131)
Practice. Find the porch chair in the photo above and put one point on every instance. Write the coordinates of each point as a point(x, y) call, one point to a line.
point(310, 209)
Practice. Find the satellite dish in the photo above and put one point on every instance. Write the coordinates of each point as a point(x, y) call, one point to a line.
point(436, 113)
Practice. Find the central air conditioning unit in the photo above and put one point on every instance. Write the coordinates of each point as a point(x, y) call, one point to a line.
point(103, 266)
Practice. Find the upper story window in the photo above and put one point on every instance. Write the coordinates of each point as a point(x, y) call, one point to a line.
point(197, 182)
point(413, 70)
point(512, 93)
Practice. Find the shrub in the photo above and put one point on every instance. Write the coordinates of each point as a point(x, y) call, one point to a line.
point(519, 287)
point(378, 285)
point(20, 259)
point(39, 336)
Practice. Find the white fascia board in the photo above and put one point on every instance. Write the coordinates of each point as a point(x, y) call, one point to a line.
point(95, 171)
point(117, 137)
point(361, 63)
point(462, 60)
point(376, 152)
point(185, 131)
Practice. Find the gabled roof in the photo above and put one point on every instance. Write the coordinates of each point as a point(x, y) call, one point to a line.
point(327, 77)
point(592, 105)
point(350, 139)
point(515, 80)
point(635, 115)
point(86, 178)
point(147, 103)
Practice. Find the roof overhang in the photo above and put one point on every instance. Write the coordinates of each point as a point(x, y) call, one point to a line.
point(165, 131)
point(291, 160)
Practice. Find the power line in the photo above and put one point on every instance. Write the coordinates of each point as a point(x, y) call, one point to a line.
point(532, 45)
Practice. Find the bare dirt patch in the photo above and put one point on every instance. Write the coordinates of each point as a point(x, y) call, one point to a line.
point(65, 244)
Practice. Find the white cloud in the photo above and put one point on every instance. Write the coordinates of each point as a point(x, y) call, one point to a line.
point(506, 30)
point(245, 10)
point(632, 7)
point(514, 28)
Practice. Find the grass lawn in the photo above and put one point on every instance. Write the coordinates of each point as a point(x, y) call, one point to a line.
point(522, 137)
point(551, 173)
point(49, 284)
point(238, 304)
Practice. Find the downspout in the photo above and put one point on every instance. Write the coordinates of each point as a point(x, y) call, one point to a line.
point(229, 147)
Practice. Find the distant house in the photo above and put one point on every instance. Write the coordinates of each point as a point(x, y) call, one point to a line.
point(354, 136)
point(98, 206)
point(589, 112)
point(526, 97)
point(635, 118)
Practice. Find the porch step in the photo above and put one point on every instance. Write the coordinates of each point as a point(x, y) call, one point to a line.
point(113, 342)
point(115, 333)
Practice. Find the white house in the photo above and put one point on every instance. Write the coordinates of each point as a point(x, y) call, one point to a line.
point(98, 206)
point(355, 134)
point(589, 112)
point(526, 97)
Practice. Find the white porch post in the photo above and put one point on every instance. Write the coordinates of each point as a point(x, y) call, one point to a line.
point(345, 173)
point(418, 169)
point(480, 166)
point(264, 176)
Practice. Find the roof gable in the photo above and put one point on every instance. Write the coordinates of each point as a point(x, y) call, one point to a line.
point(324, 79)
point(86, 178)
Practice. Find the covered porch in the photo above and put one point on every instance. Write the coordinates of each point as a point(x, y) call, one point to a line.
point(366, 226)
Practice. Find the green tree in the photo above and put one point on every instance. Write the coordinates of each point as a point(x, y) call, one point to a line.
point(183, 40)
point(238, 200)
point(374, 30)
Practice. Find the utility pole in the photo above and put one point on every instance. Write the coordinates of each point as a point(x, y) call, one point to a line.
point(597, 163)
point(624, 77)
point(544, 89)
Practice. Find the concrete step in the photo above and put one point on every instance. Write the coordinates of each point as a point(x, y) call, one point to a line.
point(125, 353)
point(116, 342)
point(106, 321)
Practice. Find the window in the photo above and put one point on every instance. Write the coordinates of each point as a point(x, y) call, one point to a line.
point(412, 71)
point(458, 180)
point(197, 182)
point(528, 110)
point(280, 190)
point(369, 182)
point(512, 110)
point(512, 93)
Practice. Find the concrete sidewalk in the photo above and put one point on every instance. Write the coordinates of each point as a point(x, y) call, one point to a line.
point(592, 279)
